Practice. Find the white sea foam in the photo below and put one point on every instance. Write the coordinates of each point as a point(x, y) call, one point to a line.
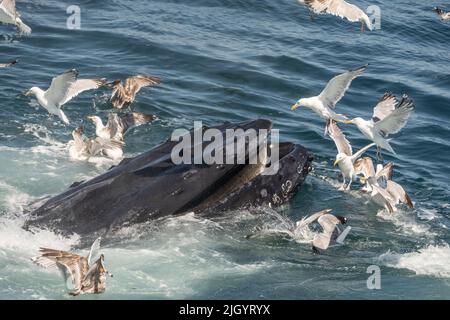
point(429, 261)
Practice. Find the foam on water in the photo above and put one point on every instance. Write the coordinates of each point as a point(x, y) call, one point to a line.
point(433, 260)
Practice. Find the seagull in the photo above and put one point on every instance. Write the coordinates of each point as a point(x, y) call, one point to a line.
point(345, 158)
point(9, 15)
point(117, 124)
point(82, 274)
point(444, 15)
point(390, 196)
point(83, 149)
point(325, 103)
point(341, 9)
point(331, 235)
point(371, 177)
point(63, 88)
point(8, 64)
point(123, 95)
point(389, 117)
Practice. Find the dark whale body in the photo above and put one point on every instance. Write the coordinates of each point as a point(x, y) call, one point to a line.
point(151, 186)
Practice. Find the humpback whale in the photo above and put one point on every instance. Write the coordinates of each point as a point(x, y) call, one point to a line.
point(150, 186)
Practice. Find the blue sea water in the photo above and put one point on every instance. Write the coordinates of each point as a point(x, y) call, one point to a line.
point(233, 60)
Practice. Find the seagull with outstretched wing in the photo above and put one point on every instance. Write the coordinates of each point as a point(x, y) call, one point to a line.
point(9, 15)
point(82, 274)
point(124, 94)
point(389, 117)
point(325, 103)
point(119, 124)
point(345, 158)
point(63, 88)
point(339, 8)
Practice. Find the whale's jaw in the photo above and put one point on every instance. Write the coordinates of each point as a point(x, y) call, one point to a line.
point(151, 186)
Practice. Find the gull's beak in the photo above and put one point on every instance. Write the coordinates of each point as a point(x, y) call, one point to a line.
point(89, 118)
point(363, 180)
point(336, 163)
point(348, 121)
point(27, 93)
point(295, 106)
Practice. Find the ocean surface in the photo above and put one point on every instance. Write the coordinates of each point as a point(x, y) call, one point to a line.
point(232, 60)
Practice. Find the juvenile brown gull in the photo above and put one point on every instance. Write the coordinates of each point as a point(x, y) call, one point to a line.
point(123, 95)
point(82, 274)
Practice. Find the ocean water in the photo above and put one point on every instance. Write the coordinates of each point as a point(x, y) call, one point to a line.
point(232, 60)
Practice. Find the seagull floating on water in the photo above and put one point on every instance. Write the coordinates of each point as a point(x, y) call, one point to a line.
point(123, 95)
point(345, 158)
point(331, 235)
point(82, 274)
point(389, 117)
point(341, 9)
point(8, 64)
point(9, 15)
point(81, 148)
point(325, 103)
point(444, 15)
point(118, 124)
point(63, 88)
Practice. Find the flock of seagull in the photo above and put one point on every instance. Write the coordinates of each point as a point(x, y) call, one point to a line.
point(390, 115)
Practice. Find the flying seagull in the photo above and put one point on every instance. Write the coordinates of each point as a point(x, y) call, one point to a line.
point(8, 64)
point(389, 117)
point(82, 274)
point(63, 88)
point(9, 15)
point(331, 235)
point(325, 103)
point(444, 15)
point(82, 148)
point(123, 95)
point(118, 124)
point(341, 9)
point(345, 158)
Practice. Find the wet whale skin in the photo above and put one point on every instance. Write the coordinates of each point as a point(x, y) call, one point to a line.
point(151, 186)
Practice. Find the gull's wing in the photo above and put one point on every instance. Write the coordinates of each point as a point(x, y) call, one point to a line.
point(384, 107)
point(133, 119)
point(388, 200)
point(341, 142)
point(336, 87)
point(310, 219)
point(328, 223)
point(386, 172)
point(83, 85)
point(365, 166)
point(8, 11)
point(397, 119)
point(358, 154)
point(49, 257)
point(60, 87)
point(94, 253)
point(8, 64)
point(73, 271)
point(136, 83)
point(398, 193)
point(338, 8)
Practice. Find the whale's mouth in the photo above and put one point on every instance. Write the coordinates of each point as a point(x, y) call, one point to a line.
point(152, 186)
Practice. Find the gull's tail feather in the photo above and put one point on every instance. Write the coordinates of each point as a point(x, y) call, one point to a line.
point(23, 28)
